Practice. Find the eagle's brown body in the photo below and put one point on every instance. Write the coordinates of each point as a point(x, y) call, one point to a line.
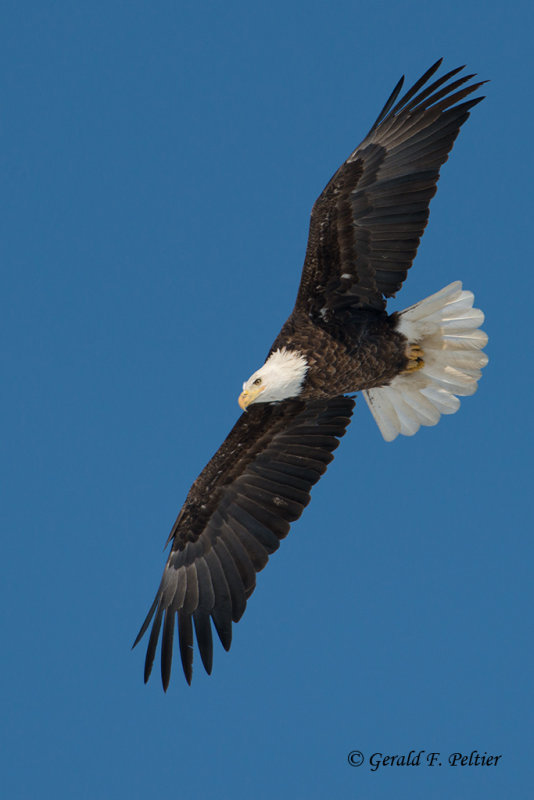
point(343, 359)
point(364, 232)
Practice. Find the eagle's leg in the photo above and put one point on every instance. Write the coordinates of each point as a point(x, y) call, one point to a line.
point(414, 354)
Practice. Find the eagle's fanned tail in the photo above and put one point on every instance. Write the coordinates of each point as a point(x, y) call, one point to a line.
point(446, 329)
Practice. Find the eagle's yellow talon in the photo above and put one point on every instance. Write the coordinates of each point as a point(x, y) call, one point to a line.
point(414, 354)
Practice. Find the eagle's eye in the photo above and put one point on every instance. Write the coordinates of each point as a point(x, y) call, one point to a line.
point(256, 382)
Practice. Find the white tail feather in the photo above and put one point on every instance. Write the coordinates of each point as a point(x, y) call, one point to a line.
point(447, 328)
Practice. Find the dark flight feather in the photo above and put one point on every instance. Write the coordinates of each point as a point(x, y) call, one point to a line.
point(244, 523)
point(396, 167)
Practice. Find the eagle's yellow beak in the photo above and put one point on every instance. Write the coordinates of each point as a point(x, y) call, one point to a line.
point(249, 395)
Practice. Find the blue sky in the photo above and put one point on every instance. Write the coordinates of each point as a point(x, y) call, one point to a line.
point(159, 164)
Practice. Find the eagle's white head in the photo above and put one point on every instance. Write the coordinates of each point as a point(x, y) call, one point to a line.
point(280, 378)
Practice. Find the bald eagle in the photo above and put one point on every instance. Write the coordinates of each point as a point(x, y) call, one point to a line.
point(411, 366)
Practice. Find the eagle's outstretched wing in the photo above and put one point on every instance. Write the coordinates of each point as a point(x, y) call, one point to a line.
point(234, 516)
point(366, 225)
